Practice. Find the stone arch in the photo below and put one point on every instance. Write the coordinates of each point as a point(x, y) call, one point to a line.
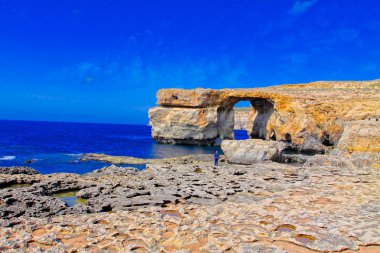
point(262, 110)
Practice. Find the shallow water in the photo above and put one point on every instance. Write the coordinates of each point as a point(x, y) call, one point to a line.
point(285, 228)
point(305, 239)
point(70, 198)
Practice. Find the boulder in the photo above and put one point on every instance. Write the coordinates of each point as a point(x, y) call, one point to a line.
point(313, 145)
point(252, 151)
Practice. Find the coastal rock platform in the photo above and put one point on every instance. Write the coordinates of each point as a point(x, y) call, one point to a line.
point(187, 205)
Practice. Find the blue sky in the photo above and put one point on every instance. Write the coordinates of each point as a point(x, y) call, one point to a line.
point(103, 61)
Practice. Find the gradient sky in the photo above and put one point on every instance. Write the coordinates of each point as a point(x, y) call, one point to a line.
point(103, 61)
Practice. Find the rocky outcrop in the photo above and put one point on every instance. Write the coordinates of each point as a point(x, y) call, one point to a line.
point(185, 126)
point(252, 151)
point(30, 202)
point(327, 161)
point(18, 170)
point(133, 160)
point(360, 143)
point(32, 195)
point(310, 116)
point(243, 119)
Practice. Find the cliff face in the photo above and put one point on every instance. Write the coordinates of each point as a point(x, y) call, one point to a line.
point(243, 118)
point(310, 116)
point(360, 143)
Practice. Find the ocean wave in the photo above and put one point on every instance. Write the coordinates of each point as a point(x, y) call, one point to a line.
point(74, 154)
point(7, 158)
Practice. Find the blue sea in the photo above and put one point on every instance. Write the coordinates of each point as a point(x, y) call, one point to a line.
point(57, 146)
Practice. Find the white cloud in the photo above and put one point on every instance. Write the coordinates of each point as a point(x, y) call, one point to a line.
point(302, 6)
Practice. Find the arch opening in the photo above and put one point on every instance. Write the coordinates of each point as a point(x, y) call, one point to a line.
point(245, 118)
point(242, 111)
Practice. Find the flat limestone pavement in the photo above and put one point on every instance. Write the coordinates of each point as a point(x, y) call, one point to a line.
point(324, 205)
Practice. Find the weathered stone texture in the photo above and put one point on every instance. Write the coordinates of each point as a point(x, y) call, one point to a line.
point(252, 151)
point(243, 118)
point(18, 170)
point(360, 142)
point(323, 206)
point(310, 116)
point(191, 125)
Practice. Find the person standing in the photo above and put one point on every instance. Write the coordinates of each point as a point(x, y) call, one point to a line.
point(216, 158)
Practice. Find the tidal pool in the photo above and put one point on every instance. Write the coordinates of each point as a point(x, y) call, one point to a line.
point(70, 198)
point(305, 239)
point(285, 228)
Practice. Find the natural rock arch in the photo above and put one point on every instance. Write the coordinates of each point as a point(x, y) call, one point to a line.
point(262, 110)
point(313, 114)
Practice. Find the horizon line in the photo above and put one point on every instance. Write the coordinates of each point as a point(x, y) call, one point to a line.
point(75, 122)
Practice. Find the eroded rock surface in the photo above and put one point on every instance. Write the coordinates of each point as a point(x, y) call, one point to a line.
point(193, 207)
point(252, 151)
point(360, 143)
point(31, 195)
point(18, 170)
point(243, 118)
point(310, 116)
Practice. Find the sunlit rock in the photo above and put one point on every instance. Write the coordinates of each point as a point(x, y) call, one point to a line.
point(252, 151)
point(310, 117)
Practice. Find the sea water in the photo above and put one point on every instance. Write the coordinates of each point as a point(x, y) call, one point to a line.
point(51, 147)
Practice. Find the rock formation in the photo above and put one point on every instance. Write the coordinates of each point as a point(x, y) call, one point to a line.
point(243, 119)
point(252, 151)
point(360, 142)
point(309, 116)
point(18, 170)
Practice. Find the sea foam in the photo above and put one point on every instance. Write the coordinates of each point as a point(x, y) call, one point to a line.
point(7, 158)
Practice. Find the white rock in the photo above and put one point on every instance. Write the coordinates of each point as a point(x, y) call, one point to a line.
point(252, 151)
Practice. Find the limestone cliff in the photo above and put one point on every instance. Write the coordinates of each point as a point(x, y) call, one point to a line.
point(360, 142)
point(243, 118)
point(309, 116)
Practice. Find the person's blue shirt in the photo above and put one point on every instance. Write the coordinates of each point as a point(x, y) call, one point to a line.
point(216, 158)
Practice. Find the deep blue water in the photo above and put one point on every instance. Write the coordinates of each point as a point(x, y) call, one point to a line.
point(241, 135)
point(56, 146)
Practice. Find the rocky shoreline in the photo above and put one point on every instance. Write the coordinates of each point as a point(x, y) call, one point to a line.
point(261, 198)
point(186, 205)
